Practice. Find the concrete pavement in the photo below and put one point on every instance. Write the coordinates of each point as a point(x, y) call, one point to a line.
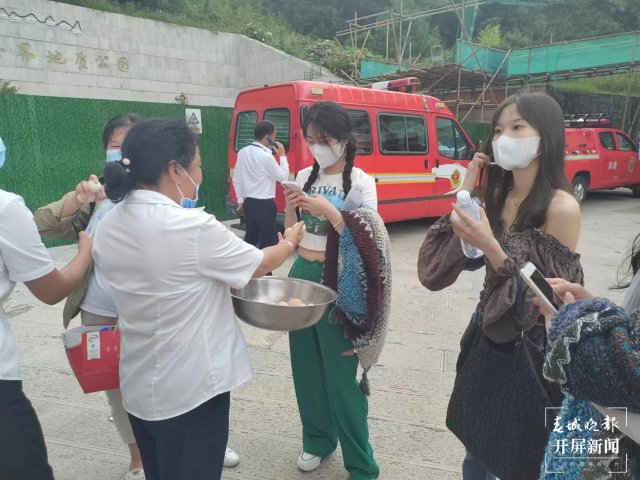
point(410, 386)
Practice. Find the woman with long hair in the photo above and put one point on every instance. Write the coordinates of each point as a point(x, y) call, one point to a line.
point(325, 357)
point(529, 214)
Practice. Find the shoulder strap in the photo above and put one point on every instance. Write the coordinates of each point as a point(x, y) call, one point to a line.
point(519, 306)
point(529, 348)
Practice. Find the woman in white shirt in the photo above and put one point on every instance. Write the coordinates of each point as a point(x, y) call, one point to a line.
point(63, 219)
point(170, 267)
point(23, 258)
point(332, 406)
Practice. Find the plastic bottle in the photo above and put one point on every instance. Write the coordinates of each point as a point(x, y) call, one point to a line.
point(469, 206)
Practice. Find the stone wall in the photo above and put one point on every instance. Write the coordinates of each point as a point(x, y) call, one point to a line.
point(54, 49)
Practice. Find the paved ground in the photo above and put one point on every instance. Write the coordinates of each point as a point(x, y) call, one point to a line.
point(410, 387)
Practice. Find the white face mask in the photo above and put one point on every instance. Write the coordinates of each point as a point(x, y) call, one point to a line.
point(515, 153)
point(327, 155)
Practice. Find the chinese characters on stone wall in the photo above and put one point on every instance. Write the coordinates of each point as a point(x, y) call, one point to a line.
point(104, 61)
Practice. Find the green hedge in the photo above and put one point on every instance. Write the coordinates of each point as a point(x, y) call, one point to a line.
point(53, 143)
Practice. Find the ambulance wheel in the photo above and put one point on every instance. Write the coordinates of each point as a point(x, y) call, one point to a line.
point(580, 186)
point(636, 191)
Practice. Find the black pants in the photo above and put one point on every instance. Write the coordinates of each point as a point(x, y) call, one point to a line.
point(262, 228)
point(23, 454)
point(190, 446)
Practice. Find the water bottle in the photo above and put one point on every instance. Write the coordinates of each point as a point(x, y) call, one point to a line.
point(469, 206)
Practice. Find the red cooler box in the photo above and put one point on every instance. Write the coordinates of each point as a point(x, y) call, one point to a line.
point(94, 356)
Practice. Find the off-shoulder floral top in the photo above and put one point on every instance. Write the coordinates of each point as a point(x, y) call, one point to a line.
point(441, 260)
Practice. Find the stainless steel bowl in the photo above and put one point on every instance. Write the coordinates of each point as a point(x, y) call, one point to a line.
point(256, 303)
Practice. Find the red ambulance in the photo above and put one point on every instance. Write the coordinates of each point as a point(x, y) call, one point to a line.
point(412, 144)
point(598, 157)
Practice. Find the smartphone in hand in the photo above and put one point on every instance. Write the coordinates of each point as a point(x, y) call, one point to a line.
point(272, 144)
point(536, 281)
point(293, 186)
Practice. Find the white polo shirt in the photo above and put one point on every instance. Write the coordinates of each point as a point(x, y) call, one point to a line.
point(23, 258)
point(256, 173)
point(170, 269)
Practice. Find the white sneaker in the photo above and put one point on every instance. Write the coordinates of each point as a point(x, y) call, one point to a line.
point(137, 474)
point(308, 462)
point(231, 458)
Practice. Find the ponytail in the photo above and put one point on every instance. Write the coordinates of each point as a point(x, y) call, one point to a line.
point(118, 181)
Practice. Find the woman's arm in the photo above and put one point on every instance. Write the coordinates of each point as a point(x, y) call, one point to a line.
point(26, 259)
point(64, 218)
point(479, 234)
point(319, 205)
point(276, 255)
point(290, 216)
point(440, 259)
point(58, 284)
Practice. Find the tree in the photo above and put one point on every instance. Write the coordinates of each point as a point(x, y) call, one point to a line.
point(490, 36)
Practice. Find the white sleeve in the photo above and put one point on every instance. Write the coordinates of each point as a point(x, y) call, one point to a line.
point(237, 179)
point(278, 172)
point(369, 193)
point(224, 257)
point(21, 248)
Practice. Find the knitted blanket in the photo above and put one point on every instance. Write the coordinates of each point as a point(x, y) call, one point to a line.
point(594, 353)
point(358, 267)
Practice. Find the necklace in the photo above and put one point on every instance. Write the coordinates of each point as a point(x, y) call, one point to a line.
point(516, 203)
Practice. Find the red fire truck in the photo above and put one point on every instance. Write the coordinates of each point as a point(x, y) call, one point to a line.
point(599, 157)
point(411, 144)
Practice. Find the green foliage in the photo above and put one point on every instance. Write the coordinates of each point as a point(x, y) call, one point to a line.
point(338, 59)
point(612, 85)
point(247, 17)
point(257, 33)
point(490, 36)
point(294, 26)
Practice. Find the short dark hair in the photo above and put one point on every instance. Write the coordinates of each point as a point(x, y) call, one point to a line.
point(119, 121)
point(265, 127)
point(149, 148)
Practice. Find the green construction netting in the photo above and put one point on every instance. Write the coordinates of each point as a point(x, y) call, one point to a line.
point(552, 59)
point(373, 69)
point(477, 58)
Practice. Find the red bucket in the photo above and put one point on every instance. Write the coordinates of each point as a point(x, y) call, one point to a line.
point(94, 356)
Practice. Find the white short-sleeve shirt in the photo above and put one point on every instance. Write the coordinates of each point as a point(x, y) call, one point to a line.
point(330, 186)
point(23, 258)
point(170, 270)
